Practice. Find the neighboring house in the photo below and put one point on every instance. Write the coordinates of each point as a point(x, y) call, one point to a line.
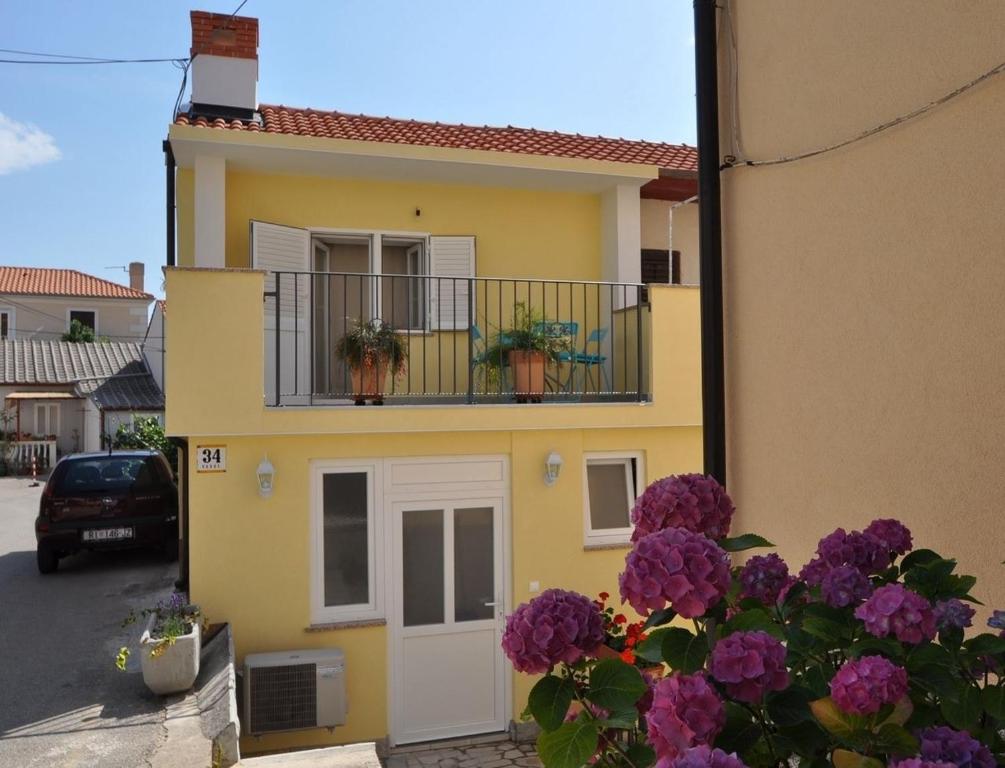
point(61, 397)
point(863, 286)
point(402, 535)
point(153, 342)
point(41, 302)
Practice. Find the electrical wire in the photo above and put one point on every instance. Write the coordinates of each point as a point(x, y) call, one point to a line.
point(732, 163)
point(90, 61)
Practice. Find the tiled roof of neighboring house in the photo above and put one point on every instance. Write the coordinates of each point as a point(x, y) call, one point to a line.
point(113, 374)
point(528, 141)
point(43, 281)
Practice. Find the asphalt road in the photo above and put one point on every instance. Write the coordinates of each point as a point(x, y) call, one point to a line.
point(62, 701)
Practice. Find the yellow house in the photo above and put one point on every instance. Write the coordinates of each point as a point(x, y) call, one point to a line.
point(396, 539)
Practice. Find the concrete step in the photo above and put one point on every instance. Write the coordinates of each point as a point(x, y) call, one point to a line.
point(350, 756)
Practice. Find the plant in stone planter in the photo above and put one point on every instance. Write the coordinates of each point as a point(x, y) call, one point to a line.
point(372, 349)
point(859, 661)
point(170, 645)
point(526, 347)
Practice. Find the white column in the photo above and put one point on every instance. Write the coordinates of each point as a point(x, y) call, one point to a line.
point(621, 236)
point(210, 211)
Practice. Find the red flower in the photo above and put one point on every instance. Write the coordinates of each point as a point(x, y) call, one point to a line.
point(620, 619)
point(604, 596)
point(628, 656)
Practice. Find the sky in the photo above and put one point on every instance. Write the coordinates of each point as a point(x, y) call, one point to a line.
point(81, 166)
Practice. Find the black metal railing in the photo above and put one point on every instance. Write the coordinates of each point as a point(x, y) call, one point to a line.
point(457, 333)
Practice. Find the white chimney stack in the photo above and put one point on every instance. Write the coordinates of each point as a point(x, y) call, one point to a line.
point(224, 63)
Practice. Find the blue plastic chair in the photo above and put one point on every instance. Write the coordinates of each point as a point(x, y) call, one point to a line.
point(590, 360)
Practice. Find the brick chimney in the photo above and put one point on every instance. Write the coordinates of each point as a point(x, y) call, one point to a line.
point(136, 275)
point(224, 65)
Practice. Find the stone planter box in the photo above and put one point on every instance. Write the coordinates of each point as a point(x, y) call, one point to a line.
point(176, 669)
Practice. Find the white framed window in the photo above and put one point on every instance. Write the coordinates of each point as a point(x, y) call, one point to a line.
point(46, 419)
point(6, 323)
point(87, 317)
point(347, 535)
point(611, 483)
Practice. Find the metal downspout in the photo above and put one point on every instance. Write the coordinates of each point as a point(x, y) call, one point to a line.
point(710, 241)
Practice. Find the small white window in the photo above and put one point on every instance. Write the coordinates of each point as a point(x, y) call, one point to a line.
point(87, 318)
point(347, 541)
point(6, 323)
point(611, 482)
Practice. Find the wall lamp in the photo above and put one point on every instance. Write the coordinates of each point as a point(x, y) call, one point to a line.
point(266, 474)
point(552, 468)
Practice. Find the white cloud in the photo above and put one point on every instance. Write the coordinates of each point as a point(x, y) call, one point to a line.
point(23, 145)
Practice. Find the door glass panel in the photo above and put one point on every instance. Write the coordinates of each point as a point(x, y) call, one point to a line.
point(422, 566)
point(346, 539)
point(474, 567)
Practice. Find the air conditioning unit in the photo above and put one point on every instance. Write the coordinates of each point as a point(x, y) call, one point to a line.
point(291, 690)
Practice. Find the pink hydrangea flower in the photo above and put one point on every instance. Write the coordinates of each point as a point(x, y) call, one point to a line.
point(864, 551)
point(844, 585)
point(676, 567)
point(556, 626)
point(896, 609)
point(686, 712)
point(893, 533)
point(864, 686)
point(763, 578)
point(750, 664)
point(695, 502)
point(706, 757)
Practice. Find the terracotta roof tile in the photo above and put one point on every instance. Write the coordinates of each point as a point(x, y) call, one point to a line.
point(42, 281)
point(389, 130)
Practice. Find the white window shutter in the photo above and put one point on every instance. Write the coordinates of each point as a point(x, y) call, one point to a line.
point(275, 248)
point(452, 262)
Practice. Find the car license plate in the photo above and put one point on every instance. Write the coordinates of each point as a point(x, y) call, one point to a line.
point(108, 534)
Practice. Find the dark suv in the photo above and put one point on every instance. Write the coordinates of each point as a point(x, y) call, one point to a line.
point(107, 501)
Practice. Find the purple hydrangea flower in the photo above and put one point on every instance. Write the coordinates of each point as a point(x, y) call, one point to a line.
point(953, 614)
point(764, 577)
point(864, 686)
point(750, 664)
point(678, 567)
point(895, 609)
point(686, 712)
point(959, 748)
point(555, 626)
point(814, 571)
point(695, 502)
point(844, 585)
point(863, 551)
point(705, 757)
point(893, 533)
point(917, 762)
point(997, 620)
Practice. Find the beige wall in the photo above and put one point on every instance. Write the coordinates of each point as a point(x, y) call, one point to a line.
point(654, 218)
point(864, 311)
point(684, 238)
point(46, 317)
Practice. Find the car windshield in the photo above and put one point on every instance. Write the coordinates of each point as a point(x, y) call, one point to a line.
point(107, 473)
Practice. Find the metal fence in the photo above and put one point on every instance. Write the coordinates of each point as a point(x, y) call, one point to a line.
point(456, 335)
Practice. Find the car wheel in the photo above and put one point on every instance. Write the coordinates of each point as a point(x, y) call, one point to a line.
point(171, 549)
point(47, 559)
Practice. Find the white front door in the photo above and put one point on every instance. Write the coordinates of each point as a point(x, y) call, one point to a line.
point(448, 676)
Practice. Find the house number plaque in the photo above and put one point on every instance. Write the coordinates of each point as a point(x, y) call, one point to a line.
point(211, 458)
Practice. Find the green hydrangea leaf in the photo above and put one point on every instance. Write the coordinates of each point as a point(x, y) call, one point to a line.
point(836, 722)
point(896, 740)
point(993, 699)
point(844, 758)
point(756, 619)
point(744, 542)
point(651, 649)
point(615, 685)
point(683, 651)
point(549, 701)
point(659, 618)
point(963, 711)
point(569, 746)
point(791, 706)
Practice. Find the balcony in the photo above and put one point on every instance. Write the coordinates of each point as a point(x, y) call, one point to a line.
point(454, 338)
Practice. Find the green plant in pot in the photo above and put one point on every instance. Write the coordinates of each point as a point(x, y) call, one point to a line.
point(372, 349)
point(527, 347)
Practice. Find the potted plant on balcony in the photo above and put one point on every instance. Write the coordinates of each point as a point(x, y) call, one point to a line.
point(372, 349)
point(527, 347)
point(170, 645)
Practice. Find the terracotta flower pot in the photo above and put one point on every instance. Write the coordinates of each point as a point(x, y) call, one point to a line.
point(368, 381)
point(528, 372)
